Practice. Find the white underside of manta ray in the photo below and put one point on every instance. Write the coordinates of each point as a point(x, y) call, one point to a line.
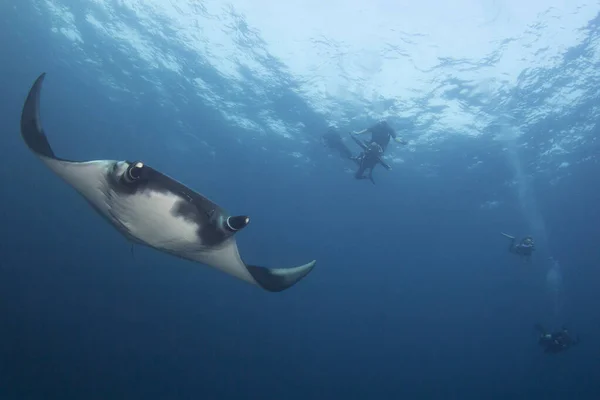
point(152, 209)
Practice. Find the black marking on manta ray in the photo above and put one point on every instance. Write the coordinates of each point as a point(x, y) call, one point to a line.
point(191, 206)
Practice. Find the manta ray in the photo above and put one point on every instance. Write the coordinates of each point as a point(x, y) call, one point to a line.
point(155, 210)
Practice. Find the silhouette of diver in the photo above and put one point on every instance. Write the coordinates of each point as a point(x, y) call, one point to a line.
point(366, 160)
point(381, 133)
point(555, 342)
point(524, 249)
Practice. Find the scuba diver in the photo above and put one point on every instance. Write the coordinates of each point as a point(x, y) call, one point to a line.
point(367, 160)
point(524, 249)
point(555, 342)
point(381, 133)
point(372, 151)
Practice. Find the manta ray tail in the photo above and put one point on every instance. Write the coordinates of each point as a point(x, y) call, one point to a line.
point(279, 279)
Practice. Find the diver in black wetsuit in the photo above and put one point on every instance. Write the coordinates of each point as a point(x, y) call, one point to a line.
point(367, 160)
point(372, 151)
point(555, 342)
point(381, 133)
point(524, 249)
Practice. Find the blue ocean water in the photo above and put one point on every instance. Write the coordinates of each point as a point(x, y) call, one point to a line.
point(414, 294)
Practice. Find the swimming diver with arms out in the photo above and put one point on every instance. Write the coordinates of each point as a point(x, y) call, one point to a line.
point(555, 342)
point(524, 249)
point(382, 133)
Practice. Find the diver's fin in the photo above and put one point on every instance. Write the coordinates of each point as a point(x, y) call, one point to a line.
point(507, 235)
point(278, 279)
point(371, 176)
